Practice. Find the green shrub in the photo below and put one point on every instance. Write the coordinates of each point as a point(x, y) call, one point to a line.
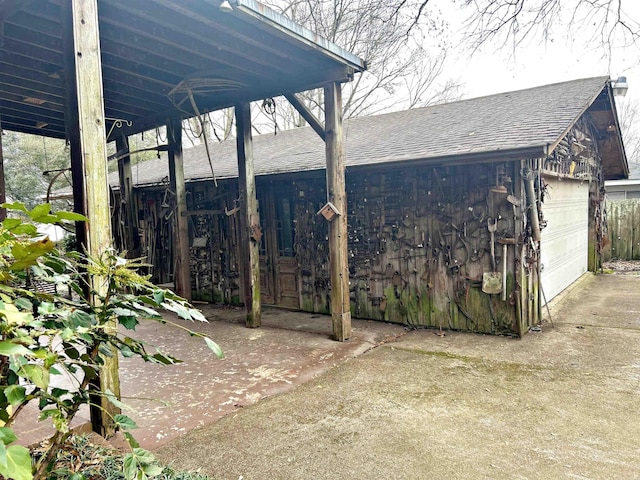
point(47, 334)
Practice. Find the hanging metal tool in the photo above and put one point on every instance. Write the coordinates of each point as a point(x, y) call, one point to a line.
point(492, 281)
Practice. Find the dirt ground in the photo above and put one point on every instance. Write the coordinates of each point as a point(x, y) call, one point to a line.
point(560, 403)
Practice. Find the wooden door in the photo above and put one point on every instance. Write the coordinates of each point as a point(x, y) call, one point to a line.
point(287, 266)
point(278, 265)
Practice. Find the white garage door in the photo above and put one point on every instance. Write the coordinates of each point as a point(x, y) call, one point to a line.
point(565, 240)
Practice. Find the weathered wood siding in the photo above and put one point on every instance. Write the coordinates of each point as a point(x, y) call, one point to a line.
point(418, 239)
point(418, 246)
point(624, 230)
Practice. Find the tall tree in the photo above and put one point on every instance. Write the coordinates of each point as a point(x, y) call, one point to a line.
point(401, 72)
point(629, 113)
point(26, 158)
point(609, 24)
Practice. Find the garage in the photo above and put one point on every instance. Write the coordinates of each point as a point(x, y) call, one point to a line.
point(565, 240)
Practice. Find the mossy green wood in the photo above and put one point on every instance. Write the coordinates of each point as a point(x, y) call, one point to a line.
point(337, 195)
point(250, 220)
point(94, 156)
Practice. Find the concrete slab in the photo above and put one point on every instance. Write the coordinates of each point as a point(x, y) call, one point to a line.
point(167, 401)
point(561, 403)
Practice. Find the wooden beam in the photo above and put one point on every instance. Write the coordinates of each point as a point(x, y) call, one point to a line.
point(72, 127)
point(181, 272)
point(307, 114)
point(93, 158)
point(128, 212)
point(3, 188)
point(338, 254)
point(250, 230)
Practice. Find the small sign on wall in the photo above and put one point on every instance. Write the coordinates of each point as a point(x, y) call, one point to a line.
point(329, 211)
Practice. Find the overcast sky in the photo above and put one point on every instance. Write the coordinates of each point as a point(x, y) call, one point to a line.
point(567, 56)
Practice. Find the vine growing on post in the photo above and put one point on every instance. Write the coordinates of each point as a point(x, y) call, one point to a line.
point(44, 335)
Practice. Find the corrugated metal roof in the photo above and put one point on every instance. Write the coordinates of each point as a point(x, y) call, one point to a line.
point(495, 124)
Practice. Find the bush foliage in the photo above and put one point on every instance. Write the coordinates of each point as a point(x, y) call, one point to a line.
point(43, 335)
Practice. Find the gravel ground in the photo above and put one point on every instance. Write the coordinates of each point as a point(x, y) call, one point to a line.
point(623, 266)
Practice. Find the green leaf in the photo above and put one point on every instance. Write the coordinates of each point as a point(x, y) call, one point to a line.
point(46, 308)
point(158, 296)
point(125, 351)
point(123, 422)
point(23, 303)
point(40, 211)
point(16, 394)
point(81, 319)
point(149, 311)
point(36, 374)
point(214, 347)
point(145, 457)
point(48, 219)
point(13, 316)
point(6, 437)
point(128, 322)
point(115, 401)
point(130, 466)
point(10, 348)
point(197, 315)
point(71, 352)
point(163, 359)
point(11, 223)
point(19, 206)
point(178, 309)
point(89, 372)
point(3, 455)
point(18, 464)
point(56, 264)
point(27, 255)
point(26, 229)
point(71, 216)
point(133, 443)
point(152, 470)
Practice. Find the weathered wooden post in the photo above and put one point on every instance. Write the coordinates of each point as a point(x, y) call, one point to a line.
point(90, 157)
point(128, 211)
point(3, 188)
point(250, 231)
point(182, 272)
point(336, 191)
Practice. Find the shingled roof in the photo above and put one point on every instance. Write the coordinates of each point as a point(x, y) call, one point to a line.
point(521, 124)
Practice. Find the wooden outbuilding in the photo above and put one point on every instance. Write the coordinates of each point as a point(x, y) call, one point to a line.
point(466, 216)
point(93, 71)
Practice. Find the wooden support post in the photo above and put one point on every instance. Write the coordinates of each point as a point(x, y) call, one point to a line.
point(3, 187)
point(182, 271)
point(90, 157)
point(129, 214)
point(250, 230)
point(338, 254)
point(72, 128)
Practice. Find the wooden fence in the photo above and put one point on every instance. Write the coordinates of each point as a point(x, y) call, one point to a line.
point(624, 230)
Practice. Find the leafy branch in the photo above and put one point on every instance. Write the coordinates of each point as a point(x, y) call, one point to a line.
point(48, 334)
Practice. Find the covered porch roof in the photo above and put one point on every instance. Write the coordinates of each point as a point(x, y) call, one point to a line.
point(159, 59)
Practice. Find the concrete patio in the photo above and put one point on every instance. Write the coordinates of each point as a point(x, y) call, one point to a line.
point(288, 402)
point(167, 401)
point(560, 403)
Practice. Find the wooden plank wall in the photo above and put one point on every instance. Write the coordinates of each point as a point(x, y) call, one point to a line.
point(418, 245)
point(623, 217)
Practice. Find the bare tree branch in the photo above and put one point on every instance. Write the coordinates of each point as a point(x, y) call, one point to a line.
point(389, 36)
